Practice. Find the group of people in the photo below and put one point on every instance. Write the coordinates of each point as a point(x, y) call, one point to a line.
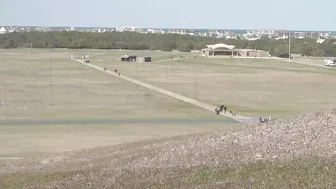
point(222, 108)
point(265, 119)
point(116, 71)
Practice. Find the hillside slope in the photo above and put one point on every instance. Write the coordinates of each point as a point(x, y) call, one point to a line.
point(298, 152)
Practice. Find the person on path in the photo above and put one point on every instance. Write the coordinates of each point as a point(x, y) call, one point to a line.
point(217, 110)
point(225, 109)
point(221, 108)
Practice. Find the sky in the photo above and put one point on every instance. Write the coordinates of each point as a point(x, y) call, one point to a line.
point(197, 14)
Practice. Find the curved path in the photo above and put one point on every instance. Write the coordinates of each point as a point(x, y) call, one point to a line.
point(208, 107)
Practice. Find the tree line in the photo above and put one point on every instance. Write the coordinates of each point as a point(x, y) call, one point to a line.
point(167, 42)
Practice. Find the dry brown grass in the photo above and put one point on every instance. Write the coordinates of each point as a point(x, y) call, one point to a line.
point(20, 141)
point(297, 152)
point(252, 87)
point(76, 92)
point(80, 93)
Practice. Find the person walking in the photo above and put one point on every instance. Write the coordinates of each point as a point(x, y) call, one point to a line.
point(225, 109)
point(217, 110)
point(221, 108)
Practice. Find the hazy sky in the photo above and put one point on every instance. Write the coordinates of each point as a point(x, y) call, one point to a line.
point(223, 14)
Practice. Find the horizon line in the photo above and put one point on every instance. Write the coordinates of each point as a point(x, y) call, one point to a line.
point(304, 30)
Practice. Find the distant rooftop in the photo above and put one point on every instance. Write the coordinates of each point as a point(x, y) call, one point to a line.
point(2, 29)
point(221, 45)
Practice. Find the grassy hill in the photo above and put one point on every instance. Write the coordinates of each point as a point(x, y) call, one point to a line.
point(297, 152)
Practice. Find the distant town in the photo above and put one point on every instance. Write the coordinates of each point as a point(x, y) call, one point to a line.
point(224, 34)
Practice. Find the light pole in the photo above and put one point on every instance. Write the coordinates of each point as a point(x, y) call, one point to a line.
point(289, 47)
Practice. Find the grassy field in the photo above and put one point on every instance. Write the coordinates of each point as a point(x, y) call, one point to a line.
point(251, 87)
point(297, 152)
point(288, 153)
point(31, 90)
point(114, 55)
point(44, 84)
point(24, 141)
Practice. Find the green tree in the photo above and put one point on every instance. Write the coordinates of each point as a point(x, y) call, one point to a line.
point(167, 42)
point(10, 44)
point(281, 50)
point(121, 45)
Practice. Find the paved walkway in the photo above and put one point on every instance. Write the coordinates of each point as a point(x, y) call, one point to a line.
point(242, 119)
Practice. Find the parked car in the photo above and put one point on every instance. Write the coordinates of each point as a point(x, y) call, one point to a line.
point(331, 63)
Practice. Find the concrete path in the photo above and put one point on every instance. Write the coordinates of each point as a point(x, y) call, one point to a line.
point(205, 106)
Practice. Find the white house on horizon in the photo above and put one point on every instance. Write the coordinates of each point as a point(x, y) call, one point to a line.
point(3, 30)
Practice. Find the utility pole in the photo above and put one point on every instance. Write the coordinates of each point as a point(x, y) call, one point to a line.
point(289, 47)
point(319, 35)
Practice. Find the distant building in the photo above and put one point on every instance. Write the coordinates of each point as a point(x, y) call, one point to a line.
point(127, 58)
point(251, 53)
point(3, 30)
point(144, 59)
point(125, 29)
point(219, 50)
point(320, 41)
